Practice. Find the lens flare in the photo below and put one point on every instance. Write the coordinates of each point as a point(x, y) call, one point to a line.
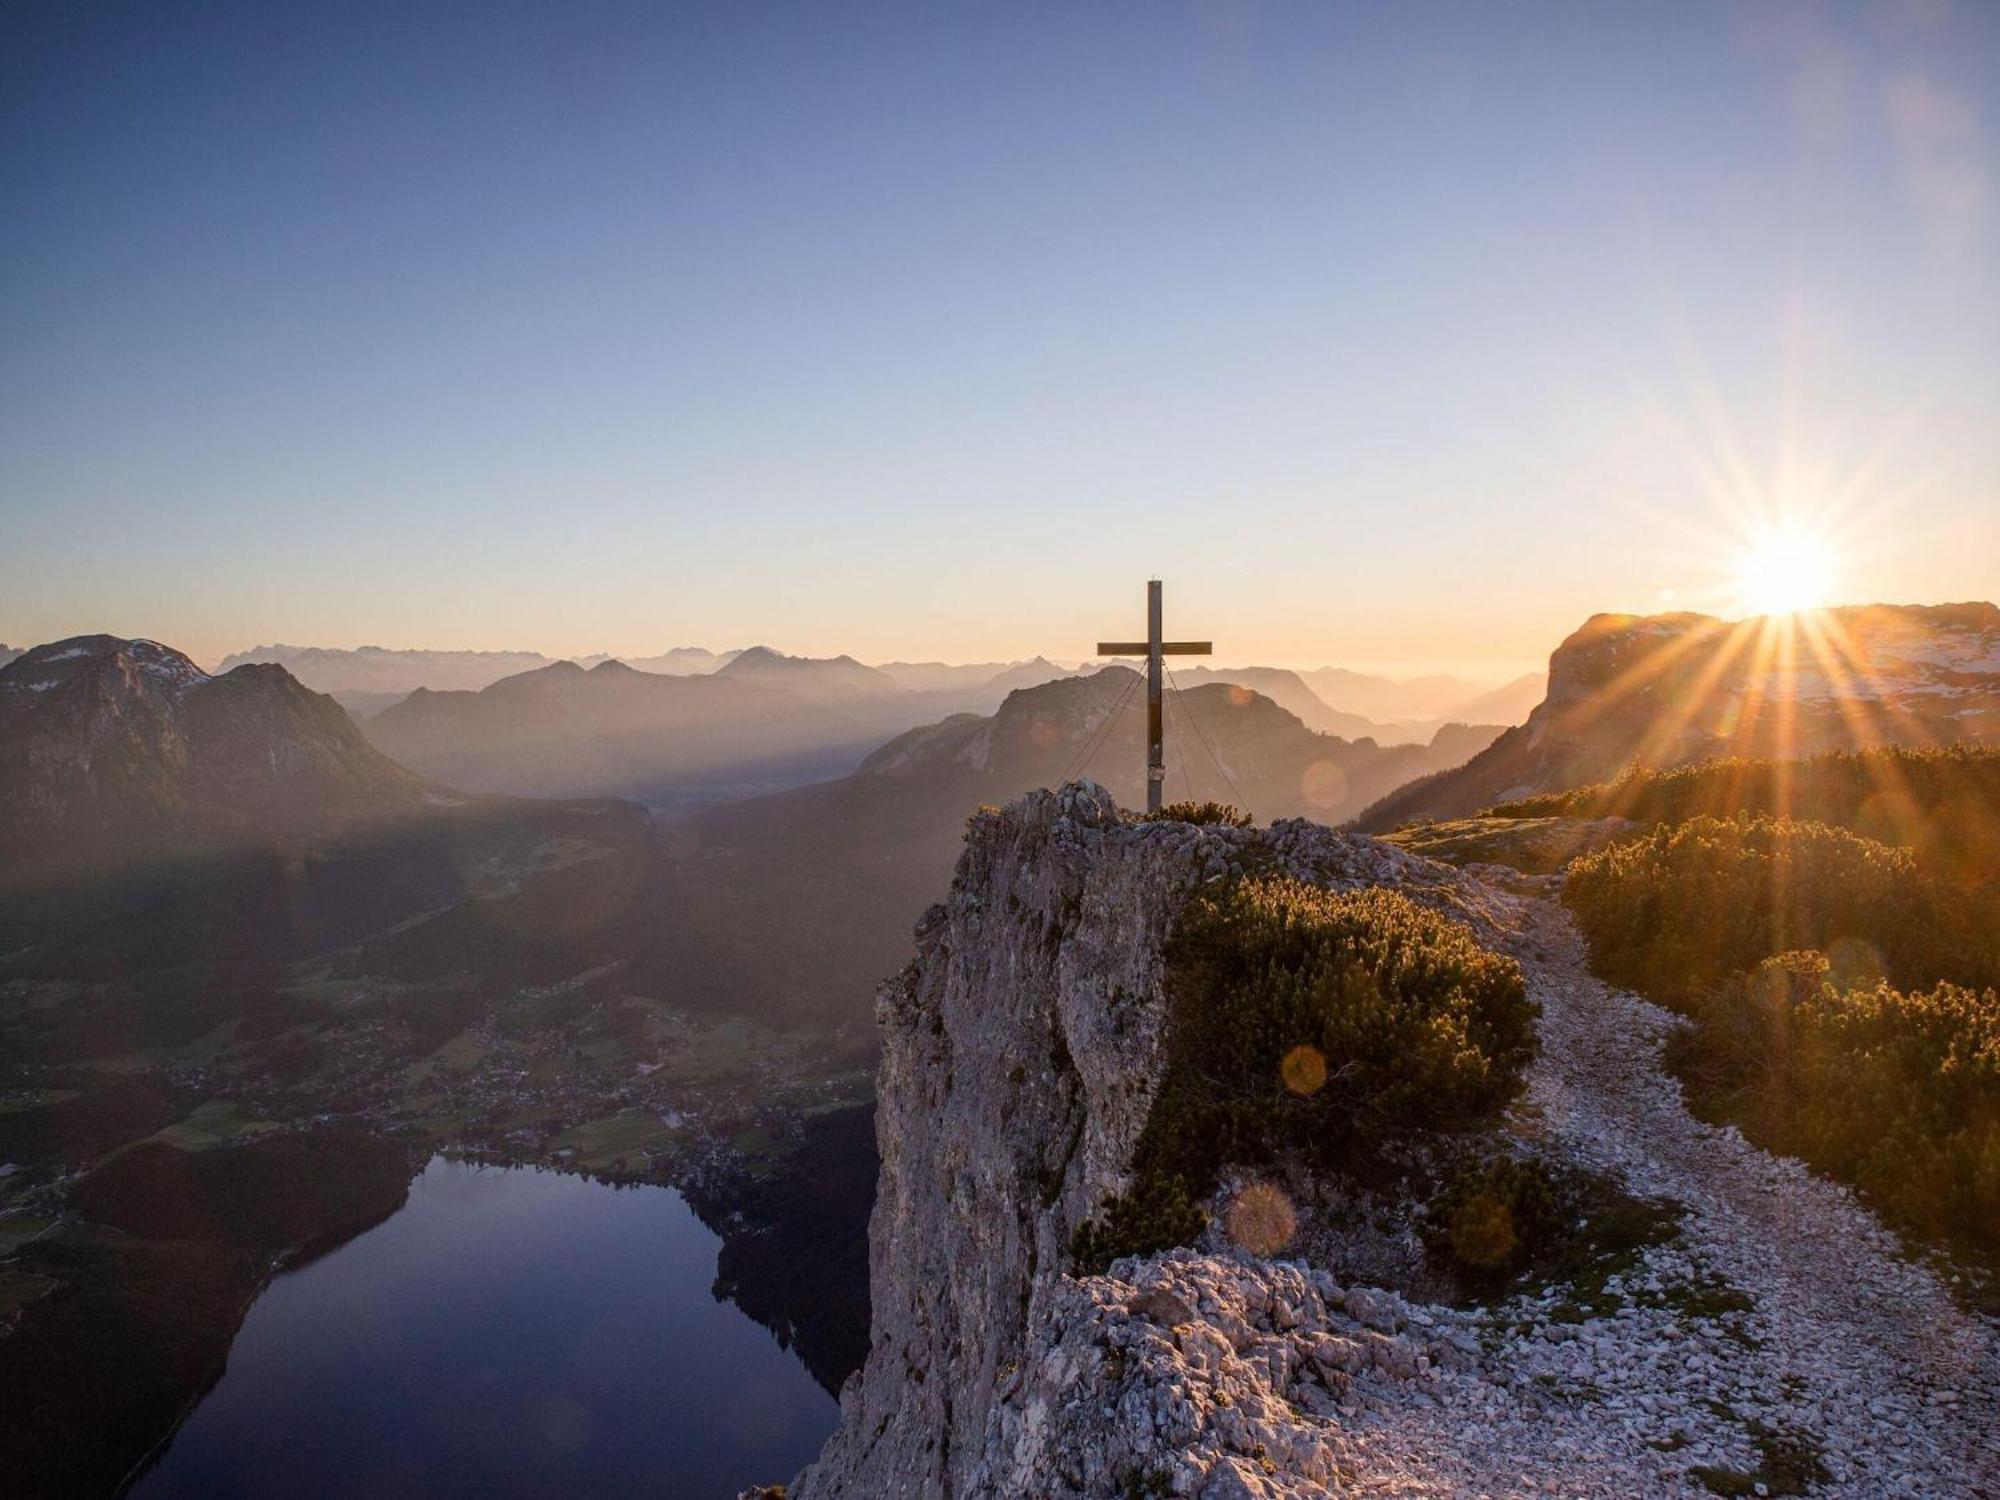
point(1304, 1069)
point(1261, 1220)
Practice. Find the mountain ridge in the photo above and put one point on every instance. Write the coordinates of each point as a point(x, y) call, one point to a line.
point(1666, 690)
point(110, 745)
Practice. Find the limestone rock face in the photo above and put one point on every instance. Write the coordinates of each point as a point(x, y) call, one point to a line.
point(1021, 1052)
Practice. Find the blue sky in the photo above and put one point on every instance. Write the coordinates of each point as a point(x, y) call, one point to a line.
point(1403, 335)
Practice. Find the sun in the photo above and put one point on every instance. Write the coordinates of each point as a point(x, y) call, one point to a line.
point(1785, 571)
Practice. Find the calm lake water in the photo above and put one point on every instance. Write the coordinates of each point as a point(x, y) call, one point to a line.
point(508, 1332)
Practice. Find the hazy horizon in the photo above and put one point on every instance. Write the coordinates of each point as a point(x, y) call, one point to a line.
point(1403, 338)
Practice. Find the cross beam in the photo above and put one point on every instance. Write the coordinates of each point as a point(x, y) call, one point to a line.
point(1153, 649)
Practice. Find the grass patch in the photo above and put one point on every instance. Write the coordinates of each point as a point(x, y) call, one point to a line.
point(1788, 1464)
point(1504, 1222)
point(1534, 846)
point(461, 1054)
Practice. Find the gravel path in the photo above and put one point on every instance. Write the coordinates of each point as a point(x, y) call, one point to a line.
point(1849, 1347)
point(1779, 1343)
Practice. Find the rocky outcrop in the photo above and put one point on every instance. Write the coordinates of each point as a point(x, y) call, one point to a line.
point(1724, 1352)
point(1021, 1052)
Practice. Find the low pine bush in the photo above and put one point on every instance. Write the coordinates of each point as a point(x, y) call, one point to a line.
point(1492, 1218)
point(1205, 814)
point(1312, 1026)
point(1676, 911)
point(1895, 1091)
point(1941, 803)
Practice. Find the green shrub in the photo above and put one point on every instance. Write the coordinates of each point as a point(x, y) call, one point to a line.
point(1157, 1212)
point(1204, 814)
point(1314, 1026)
point(1943, 804)
point(1844, 999)
point(1677, 910)
point(1896, 1092)
point(1492, 1218)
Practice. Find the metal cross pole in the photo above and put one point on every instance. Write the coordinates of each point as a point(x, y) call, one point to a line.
point(1153, 649)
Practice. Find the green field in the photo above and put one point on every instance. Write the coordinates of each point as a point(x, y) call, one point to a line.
point(462, 1054)
point(17, 1230)
point(213, 1123)
point(623, 1136)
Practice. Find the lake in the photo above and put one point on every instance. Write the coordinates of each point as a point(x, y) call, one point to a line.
point(508, 1332)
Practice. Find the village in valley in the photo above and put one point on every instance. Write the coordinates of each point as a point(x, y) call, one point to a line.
point(622, 1088)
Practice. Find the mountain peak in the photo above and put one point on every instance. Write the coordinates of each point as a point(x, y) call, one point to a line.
point(826, 678)
point(113, 749)
point(45, 668)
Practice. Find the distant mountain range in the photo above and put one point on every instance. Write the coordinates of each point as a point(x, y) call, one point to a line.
point(680, 661)
point(1665, 690)
point(939, 676)
point(379, 669)
point(761, 722)
point(1389, 700)
point(1289, 691)
point(612, 731)
point(1355, 705)
point(830, 679)
point(519, 723)
point(798, 902)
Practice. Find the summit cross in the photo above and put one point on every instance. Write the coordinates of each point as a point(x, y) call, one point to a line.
point(1153, 649)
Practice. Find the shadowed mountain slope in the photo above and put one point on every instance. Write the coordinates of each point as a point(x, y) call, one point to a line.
point(113, 749)
point(800, 902)
point(175, 842)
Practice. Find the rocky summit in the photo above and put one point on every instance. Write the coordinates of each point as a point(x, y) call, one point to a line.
point(1023, 1048)
point(113, 747)
point(1667, 690)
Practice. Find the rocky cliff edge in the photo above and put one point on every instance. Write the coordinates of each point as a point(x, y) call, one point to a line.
point(1021, 1052)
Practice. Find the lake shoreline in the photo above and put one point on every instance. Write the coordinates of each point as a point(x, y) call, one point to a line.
point(511, 1330)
